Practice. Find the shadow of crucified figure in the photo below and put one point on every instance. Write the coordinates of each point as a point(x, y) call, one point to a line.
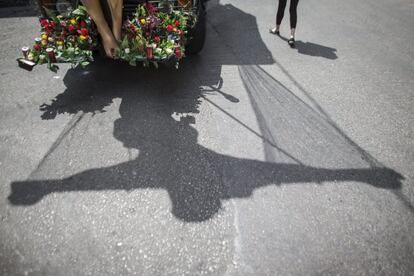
point(158, 122)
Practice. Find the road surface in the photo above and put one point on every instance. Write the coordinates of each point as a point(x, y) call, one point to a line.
point(251, 159)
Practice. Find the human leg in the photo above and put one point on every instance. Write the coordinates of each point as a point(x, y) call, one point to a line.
point(95, 11)
point(279, 16)
point(280, 12)
point(115, 7)
point(293, 16)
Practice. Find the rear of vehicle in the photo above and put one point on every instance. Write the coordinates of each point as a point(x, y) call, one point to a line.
point(196, 37)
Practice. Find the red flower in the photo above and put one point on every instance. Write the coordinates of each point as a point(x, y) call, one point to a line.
point(147, 34)
point(150, 8)
point(52, 24)
point(84, 32)
point(71, 29)
point(44, 23)
point(83, 24)
point(132, 27)
point(170, 28)
point(177, 24)
point(157, 39)
point(37, 47)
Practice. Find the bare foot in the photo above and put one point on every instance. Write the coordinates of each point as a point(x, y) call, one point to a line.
point(110, 44)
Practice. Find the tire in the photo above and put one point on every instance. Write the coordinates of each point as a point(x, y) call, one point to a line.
point(198, 34)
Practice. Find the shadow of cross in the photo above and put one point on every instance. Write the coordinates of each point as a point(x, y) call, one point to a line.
point(197, 179)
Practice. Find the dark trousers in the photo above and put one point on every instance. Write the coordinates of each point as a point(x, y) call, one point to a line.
point(292, 11)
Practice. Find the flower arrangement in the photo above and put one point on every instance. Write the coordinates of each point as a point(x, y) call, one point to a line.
point(71, 38)
point(152, 35)
point(155, 34)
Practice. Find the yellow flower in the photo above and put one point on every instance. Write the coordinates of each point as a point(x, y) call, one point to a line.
point(73, 21)
point(142, 21)
point(44, 36)
point(82, 37)
point(44, 42)
point(175, 30)
point(59, 42)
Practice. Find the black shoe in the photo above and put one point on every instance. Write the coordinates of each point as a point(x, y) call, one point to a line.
point(291, 42)
point(273, 31)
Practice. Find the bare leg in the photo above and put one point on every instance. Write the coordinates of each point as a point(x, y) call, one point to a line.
point(95, 11)
point(116, 12)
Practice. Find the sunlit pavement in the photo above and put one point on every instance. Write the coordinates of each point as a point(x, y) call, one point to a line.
point(251, 159)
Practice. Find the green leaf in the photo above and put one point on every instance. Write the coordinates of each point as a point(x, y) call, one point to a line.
point(80, 11)
point(84, 63)
point(52, 67)
point(125, 43)
point(132, 62)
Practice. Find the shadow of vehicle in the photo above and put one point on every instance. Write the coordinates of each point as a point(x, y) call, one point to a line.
point(197, 179)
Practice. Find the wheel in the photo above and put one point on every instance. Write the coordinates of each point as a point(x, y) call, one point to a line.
point(197, 35)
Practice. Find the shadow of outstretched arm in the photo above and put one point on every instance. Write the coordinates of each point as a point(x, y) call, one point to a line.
point(196, 192)
point(243, 176)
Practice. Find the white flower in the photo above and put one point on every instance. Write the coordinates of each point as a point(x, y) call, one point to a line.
point(127, 51)
point(169, 51)
point(42, 57)
point(30, 56)
point(158, 50)
point(60, 48)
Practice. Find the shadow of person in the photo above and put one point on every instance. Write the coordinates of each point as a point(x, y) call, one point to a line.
point(313, 49)
point(157, 114)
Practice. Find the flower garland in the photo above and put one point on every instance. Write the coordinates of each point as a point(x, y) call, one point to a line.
point(151, 36)
point(70, 38)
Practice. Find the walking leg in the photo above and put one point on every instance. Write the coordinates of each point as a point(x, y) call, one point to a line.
point(293, 17)
point(280, 13)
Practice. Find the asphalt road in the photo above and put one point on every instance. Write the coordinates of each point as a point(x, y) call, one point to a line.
point(251, 159)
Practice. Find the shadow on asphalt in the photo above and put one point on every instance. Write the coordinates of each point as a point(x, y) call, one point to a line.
point(157, 114)
point(313, 49)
